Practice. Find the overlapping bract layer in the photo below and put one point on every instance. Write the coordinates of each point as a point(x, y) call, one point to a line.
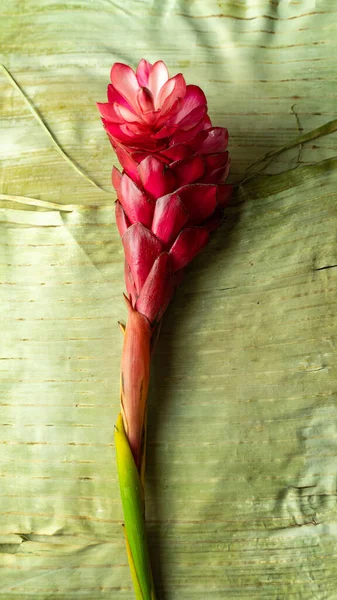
point(171, 192)
point(147, 108)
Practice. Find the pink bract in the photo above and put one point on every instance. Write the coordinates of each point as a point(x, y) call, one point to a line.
point(149, 110)
point(172, 189)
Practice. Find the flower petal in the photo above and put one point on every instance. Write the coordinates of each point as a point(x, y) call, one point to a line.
point(215, 141)
point(145, 100)
point(143, 145)
point(177, 152)
point(137, 206)
point(194, 98)
point(129, 283)
point(157, 78)
point(141, 249)
point(214, 161)
point(188, 170)
point(165, 132)
point(150, 117)
point(125, 81)
point(192, 118)
point(182, 136)
point(169, 217)
point(125, 114)
point(139, 155)
point(217, 176)
point(173, 89)
point(165, 91)
point(127, 162)
point(108, 112)
point(135, 138)
point(121, 219)
point(116, 178)
point(157, 289)
point(207, 123)
point(138, 129)
point(156, 178)
point(199, 199)
point(115, 96)
point(187, 245)
point(217, 167)
point(143, 72)
point(117, 131)
point(164, 117)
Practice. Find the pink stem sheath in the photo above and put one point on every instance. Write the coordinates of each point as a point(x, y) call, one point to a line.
point(135, 373)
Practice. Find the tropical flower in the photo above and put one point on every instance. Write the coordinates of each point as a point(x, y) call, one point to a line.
point(170, 196)
point(171, 192)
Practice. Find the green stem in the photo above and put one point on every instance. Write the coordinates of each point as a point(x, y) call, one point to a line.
point(132, 495)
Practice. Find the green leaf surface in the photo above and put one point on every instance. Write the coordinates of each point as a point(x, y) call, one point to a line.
point(242, 422)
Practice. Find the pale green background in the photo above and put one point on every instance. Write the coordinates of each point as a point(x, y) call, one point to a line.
point(243, 417)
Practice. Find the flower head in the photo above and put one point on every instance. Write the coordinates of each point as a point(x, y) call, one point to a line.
point(171, 192)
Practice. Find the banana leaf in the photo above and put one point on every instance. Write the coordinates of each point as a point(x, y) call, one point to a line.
point(241, 466)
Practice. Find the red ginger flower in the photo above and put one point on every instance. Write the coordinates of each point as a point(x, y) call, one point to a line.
point(171, 192)
point(170, 196)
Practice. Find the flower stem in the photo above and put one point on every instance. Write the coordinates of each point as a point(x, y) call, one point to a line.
point(132, 495)
point(130, 441)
